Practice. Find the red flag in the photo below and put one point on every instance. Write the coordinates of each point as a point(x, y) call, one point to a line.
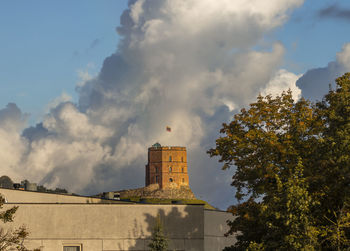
point(168, 129)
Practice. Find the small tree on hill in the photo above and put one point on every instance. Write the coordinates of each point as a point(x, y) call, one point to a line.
point(159, 240)
point(11, 239)
point(6, 182)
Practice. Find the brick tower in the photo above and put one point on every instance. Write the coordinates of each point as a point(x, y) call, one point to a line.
point(167, 166)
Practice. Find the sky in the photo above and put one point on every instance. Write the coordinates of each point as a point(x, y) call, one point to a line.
point(87, 86)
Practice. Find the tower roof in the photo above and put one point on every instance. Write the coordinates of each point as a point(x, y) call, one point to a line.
point(156, 145)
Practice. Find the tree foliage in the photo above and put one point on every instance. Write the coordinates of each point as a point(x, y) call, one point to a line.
point(6, 182)
point(159, 241)
point(11, 239)
point(334, 166)
point(284, 153)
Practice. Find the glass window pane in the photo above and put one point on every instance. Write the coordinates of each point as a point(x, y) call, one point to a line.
point(71, 248)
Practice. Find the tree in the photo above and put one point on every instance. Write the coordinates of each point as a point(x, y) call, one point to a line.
point(284, 153)
point(159, 241)
point(270, 144)
point(6, 182)
point(11, 239)
point(334, 162)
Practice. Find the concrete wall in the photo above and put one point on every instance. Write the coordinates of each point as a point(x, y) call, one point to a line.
point(98, 227)
point(101, 227)
point(215, 227)
point(20, 196)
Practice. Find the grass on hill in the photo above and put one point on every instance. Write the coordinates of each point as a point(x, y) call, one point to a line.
point(170, 201)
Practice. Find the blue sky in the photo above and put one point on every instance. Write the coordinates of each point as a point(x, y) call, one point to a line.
point(312, 41)
point(179, 67)
point(44, 43)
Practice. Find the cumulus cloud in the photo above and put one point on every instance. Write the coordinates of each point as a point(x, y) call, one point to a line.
point(64, 97)
point(283, 81)
point(335, 11)
point(12, 145)
point(184, 64)
point(315, 83)
point(86, 74)
point(12, 119)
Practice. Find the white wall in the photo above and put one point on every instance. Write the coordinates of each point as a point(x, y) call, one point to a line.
point(20, 196)
point(215, 227)
point(55, 220)
point(100, 227)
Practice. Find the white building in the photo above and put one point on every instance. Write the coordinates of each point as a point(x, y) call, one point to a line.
point(76, 223)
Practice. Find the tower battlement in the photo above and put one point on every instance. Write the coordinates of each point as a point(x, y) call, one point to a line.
point(180, 148)
point(167, 166)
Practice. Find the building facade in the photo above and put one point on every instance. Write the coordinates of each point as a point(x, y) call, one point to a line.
point(77, 223)
point(167, 166)
point(63, 222)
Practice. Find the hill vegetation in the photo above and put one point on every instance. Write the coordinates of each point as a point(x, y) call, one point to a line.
point(6, 182)
point(171, 195)
point(169, 201)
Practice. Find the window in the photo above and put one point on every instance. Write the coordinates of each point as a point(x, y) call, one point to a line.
point(156, 169)
point(170, 169)
point(183, 180)
point(170, 159)
point(171, 180)
point(182, 159)
point(182, 169)
point(157, 179)
point(71, 248)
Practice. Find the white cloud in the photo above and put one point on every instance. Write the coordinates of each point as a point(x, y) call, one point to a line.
point(64, 97)
point(343, 57)
point(315, 82)
point(183, 64)
point(283, 81)
point(67, 122)
point(12, 145)
point(85, 74)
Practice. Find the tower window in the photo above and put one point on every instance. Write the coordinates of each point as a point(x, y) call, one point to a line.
point(170, 169)
point(171, 180)
point(170, 159)
point(182, 159)
point(156, 169)
point(183, 180)
point(182, 169)
point(157, 179)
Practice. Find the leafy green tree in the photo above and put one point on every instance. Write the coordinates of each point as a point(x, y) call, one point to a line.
point(334, 166)
point(292, 172)
point(270, 144)
point(6, 182)
point(335, 234)
point(159, 240)
point(11, 239)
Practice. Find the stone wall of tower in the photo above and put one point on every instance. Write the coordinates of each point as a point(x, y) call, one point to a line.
point(167, 166)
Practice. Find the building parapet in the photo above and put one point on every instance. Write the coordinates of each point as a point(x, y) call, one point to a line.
point(178, 148)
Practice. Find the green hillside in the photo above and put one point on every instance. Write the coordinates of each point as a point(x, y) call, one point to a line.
point(169, 201)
